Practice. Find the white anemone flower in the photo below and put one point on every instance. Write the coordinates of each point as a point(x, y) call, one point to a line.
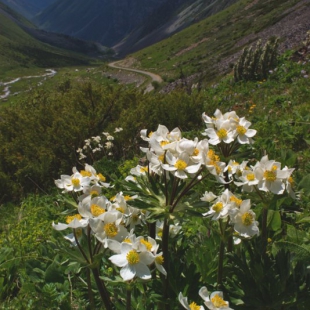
point(208, 196)
point(223, 132)
point(218, 210)
point(108, 226)
point(244, 220)
point(73, 221)
point(249, 179)
point(93, 207)
point(76, 182)
point(180, 166)
point(133, 263)
point(192, 306)
point(271, 177)
point(214, 301)
point(243, 133)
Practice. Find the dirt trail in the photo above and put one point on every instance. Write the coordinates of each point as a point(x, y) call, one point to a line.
point(153, 76)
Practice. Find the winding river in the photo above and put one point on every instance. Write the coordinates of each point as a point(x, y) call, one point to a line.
point(6, 86)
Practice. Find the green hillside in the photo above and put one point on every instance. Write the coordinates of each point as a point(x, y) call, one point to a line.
point(208, 45)
point(19, 50)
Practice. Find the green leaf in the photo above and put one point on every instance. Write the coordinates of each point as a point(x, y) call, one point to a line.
point(301, 252)
point(274, 220)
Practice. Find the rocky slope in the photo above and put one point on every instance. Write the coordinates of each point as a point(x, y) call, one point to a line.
point(28, 8)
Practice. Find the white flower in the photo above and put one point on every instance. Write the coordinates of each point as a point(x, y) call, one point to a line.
point(249, 179)
point(223, 132)
point(133, 263)
point(215, 301)
point(244, 220)
point(271, 176)
point(243, 133)
point(208, 196)
point(180, 165)
point(193, 306)
point(74, 222)
point(118, 129)
point(76, 182)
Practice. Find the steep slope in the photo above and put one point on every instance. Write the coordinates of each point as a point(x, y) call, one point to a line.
point(28, 8)
point(18, 49)
point(104, 21)
point(169, 18)
point(213, 45)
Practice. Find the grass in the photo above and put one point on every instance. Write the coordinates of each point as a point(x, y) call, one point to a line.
point(199, 47)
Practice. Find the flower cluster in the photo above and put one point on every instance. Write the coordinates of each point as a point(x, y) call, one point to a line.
point(111, 222)
point(102, 144)
point(229, 206)
point(228, 127)
point(213, 301)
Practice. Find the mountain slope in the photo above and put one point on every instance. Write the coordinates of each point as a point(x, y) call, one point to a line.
point(104, 21)
point(127, 25)
point(212, 45)
point(28, 8)
point(169, 18)
point(18, 49)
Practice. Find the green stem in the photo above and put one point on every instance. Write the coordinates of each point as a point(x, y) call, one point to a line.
point(264, 230)
point(104, 293)
point(90, 291)
point(79, 246)
point(165, 244)
point(220, 265)
point(128, 297)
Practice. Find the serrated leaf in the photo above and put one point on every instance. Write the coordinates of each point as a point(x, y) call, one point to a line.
point(301, 252)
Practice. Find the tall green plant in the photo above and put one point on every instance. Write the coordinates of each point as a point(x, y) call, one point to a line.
point(255, 63)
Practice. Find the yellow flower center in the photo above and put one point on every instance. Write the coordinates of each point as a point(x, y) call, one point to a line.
point(150, 134)
point(110, 229)
point(147, 244)
point(143, 169)
point(70, 218)
point(247, 219)
point(250, 177)
point(196, 152)
point(236, 200)
point(101, 177)
point(180, 164)
point(85, 173)
point(160, 233)
point(113, 198)
point(159, 260)
point(132, 257)
point(212, 156)
point(217, 207)
point(120, 209)
point(194, 306)
point(127, 197)
point(94, 194)
point(161, 158)
point(163, 143)
point(291, 180)
point(241, 130)
point(270, 175)
point(222, 133)
point(216, 166)
point(75, 182)
point(127, 240)
point(218, 301)
point(96, 210)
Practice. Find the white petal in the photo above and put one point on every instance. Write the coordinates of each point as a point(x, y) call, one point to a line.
point(127, 273)
point(119, 260)
point(142, 271)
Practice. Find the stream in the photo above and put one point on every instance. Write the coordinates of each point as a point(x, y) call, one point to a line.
point(6, 90)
